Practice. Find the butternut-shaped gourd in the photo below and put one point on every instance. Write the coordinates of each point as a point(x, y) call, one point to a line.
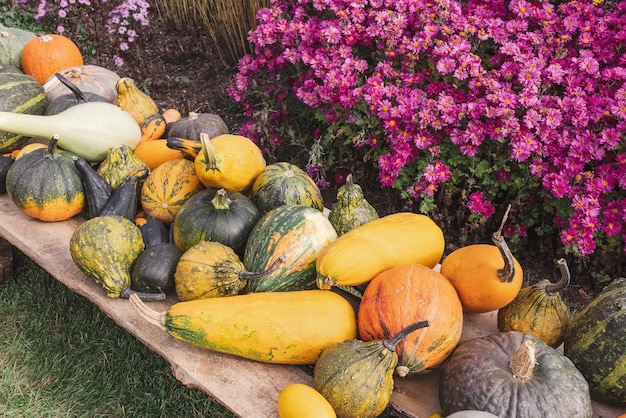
point(359, 255)
point(272, 327)
point(88, 130)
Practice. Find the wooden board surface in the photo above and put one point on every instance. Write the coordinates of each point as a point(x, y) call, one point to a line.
point(247, 388)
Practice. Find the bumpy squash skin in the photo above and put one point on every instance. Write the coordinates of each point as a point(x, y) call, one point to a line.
point(298, 400)
point(405, 294)
point(478, 376)
point(297, 234)
point(208, 270)
point(351, 209)
point(119, 162)
point(356, 257)
point(223, 216)
point(285, 184)
point(45, 184)
point(274, 327)
point(105, 248)
point(596, 341)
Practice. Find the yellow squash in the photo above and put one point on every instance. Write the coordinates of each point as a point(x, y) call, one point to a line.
point(298, 400)
point(273, 327)
point(358, 256)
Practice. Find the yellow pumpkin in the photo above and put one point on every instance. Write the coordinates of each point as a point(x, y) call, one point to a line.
point(230, 162)
point(298, 400)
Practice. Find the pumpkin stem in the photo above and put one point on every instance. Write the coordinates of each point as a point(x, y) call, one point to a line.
point(52, 144)
point(248, 275)
point(148, 297)
point(349, 184)
point(393, 342)
point(221, 200)
point(565, 278)
point(523, 362)
point(507, 273)
point(154, 317)
point(210, 158)
point(78, 95)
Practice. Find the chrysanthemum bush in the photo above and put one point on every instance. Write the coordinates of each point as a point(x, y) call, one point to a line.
point(486, 103)
point(125, 18)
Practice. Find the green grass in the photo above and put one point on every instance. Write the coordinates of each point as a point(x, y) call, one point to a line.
point(60, 356)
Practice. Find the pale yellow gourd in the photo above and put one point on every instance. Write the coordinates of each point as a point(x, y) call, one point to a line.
point(298, 400)
point(87, 129)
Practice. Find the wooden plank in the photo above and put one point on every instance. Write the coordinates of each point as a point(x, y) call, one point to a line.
point(247, 388)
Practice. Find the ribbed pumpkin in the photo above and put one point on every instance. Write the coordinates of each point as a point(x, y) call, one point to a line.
point(513, 375)
point(73, 97)
point(539, 310)
point(134, 101)
point(12, 41)
point(405, 294)
point(47, 54)
point(88, 78)
point(351, 209)
point(596, 343)
point(229, 162)
point(19, 93)
point(356, 377)
point(295, 234)
point(285, 184)
point(220, 215)
point(119, 162)
point(192, 125)
point(45, 184)
point(167, 188)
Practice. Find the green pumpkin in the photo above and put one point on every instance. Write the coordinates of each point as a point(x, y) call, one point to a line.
point(293, 234)
point(6, 161)
point(45, 184)
point(12, 42)
point(351, 209)
point(356, 377)
point(154, 269)
point(596, 343)
point(285, 184)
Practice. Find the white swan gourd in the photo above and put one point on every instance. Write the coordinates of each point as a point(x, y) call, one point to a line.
point(88, 130)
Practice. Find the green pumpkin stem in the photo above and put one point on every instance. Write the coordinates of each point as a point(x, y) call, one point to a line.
point(507, 273)
point(523, 361)
point(209, 153)
point(248, 275)
point(221, 200)
point(565, 278)
point(393, 342)
point(52, 144)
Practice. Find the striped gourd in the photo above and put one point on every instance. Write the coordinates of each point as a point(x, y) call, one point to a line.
point(294, 233)
point(596, 344)
point(19, 93)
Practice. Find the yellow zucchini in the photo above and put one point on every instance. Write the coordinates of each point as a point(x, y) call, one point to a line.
point(272, 327)
point(358, 256)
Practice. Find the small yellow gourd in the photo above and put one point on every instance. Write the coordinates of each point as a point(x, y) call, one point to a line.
point(134, 101)
point(298, 400)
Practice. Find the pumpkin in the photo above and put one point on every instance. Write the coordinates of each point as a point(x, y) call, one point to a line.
point(134, 101)
point(230, 162)
point(220, 215)
point(45, 184)
point(486, 277)
point(28, 148)
point(404, 294)
point(87, 78)
point(272, 327)
point(285, 184)
point(97, 191)
point(119, 162)
point(595, 341)
point(152, 127)
point(61, 103)
point(192, 125)
point(153, 230)
point(356, 377)
point(211, 269)
point(47, 54)
point(12, 42)
point(358, 256)
point(351, 208)
point(167, 188)
point(297, 235)
point(298, 400)
point(19, 94)
point(154, 269)
point(6, 160)
point(512, 375)
point(156, 152)
point(539, 310)
point(7, 68)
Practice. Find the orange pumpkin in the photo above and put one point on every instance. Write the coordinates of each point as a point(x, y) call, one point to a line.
point(171, 115)
point(156, 152)
point(405, 294)
point(47, 54)
point(168, 187)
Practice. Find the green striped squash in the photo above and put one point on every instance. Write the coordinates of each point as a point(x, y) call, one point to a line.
point(285, 184)
point(19, 93)
point(596, 344)
point(294, 233)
